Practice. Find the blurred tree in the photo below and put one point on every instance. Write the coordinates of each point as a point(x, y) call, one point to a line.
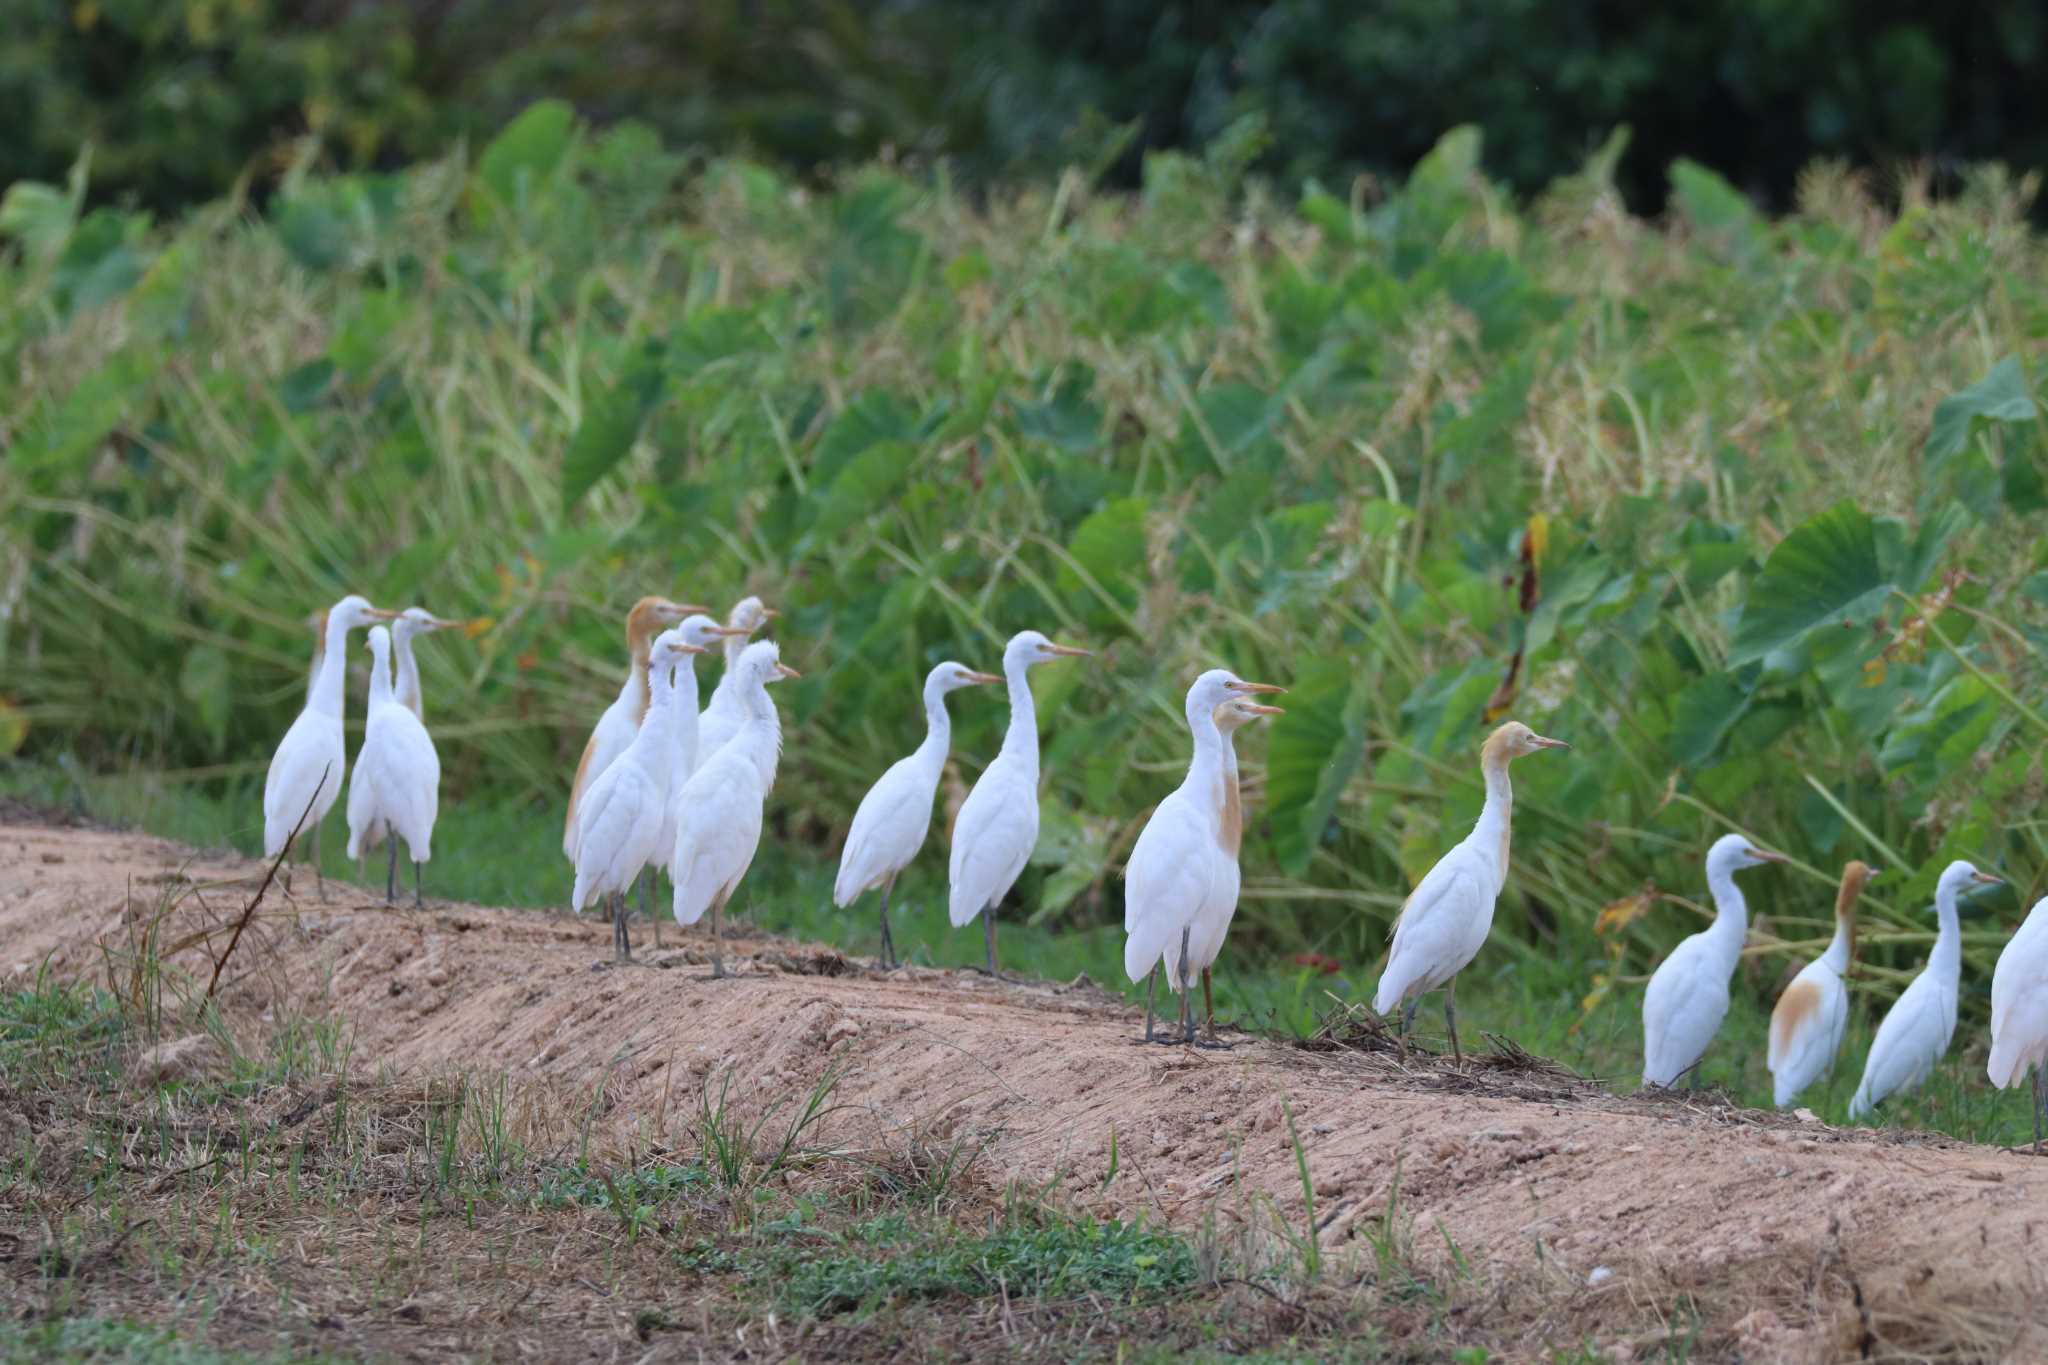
point(179, 97)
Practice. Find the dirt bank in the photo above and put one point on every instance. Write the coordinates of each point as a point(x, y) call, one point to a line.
point(1789, 1240)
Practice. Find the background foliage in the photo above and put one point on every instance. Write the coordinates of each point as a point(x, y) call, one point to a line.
point(1744, 509)
point(181, 97)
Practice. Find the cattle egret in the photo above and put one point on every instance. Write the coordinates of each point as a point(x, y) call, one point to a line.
point(1175, 871)
point(998, 823)
point(1688, 994)
point(405, 670)
point(620, 818)
point(1807, 1025)
point(318, 622)
point(1916, 1031)
point(699, 630)
point(305, 772)
point(396, 783)
point(1212, 921)
point(2019, 1011)
point(621, 720)
point(1445, 920)
point(718, 825)
point(893, 818)
point(727, 709)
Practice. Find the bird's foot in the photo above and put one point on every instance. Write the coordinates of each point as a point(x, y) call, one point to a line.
point(1211, 1043)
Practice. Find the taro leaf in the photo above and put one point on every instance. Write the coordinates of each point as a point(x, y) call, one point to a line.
point(1706, 711)
point(1717, 210)
point(1316, 747)
point(303, 389)
point(1076, 849)
point(1110, 546)
point(522, 157)
point(1236, 421)
point(876, 415)
point(611, 423)
point(1068, 419)
point(203, 681)
point(2000, 396)
point(38, 216)
point(362, 343)
point(1827, 572)
point(867, 482)
point(99, 265)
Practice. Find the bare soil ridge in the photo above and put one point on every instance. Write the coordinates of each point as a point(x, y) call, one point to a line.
point(1793, 1241)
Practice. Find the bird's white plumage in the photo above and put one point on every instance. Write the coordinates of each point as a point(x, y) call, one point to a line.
point(718, 824)
point(1801, 1053)
point(1916, 1031)
point(2019, 1001)
point(1687, 996)
point(366, 834)
point(1212, 921)
point(998, 823)
point(727, 709)
point(621, 720)
point(891, 823)
point(395, 786)
point(308, 765)
point(702, 632)
point(619, 818)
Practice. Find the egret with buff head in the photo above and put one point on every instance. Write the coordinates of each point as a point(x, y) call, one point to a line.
point(1811, 1016)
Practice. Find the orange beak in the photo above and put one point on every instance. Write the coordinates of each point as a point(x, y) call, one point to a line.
point(1543, 742)
point(785, 671)
point(1259, 710)
point(1987, 879)
point(1071, 651)
point(1766, 854)
point(1242, 686)
point(982, 677)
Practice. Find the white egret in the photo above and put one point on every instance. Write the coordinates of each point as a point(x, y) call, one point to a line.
point(1212, 921)
point(998, 823)
point(1445, 920)
point(699, 630)
point(727, 709)
point(1174, 871)
point(405, 669)
point(318, 622)
point(1810, 1017)
point(1688, 993)
point(620, 818)
point(719, 814)
point(1916, 1031)
point(2019, 1011)
point(621, 720)
point(893, 818)
point(396, 784)
point(305, 772)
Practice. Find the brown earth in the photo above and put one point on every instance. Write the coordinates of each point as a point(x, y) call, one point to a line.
point(1790, 1240)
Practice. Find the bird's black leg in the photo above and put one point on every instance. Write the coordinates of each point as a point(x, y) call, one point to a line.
point(647, 900)
point(988, 930)
point(319, 877)
point(418, 895)
point(717, 939)
point(2040, 1099)
point(391, 871)
point(1408, 1022)
point(1187, 994)
point(888, 958)
point(1451, 1019)
point(622, 931)
point(1151, 990)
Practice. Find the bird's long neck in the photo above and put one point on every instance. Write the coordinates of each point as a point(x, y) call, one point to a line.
point(682, 709)
point(938, 732)
point(637, 690)
point(1947, 957)
point(380, 680)
point(1490, 833)
point(1731, 911)
point(407, 672)
point(326, 694)
point(659, 721)
point(1020, 742)
point(1230, 805)
point(1842, 946)
point(1205, 768)
point(762, 732)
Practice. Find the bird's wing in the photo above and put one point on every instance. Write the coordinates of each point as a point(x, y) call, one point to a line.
point(1442, 925)
point(1168, 877)
point(1683, 1007)
point(2019, 1003)
point(362, 803)
point(1806, 1026)
point(409, 779)
point(993, 838)
point(718, 827)
point(310, 747)
point(619, 803)
point(888, 829)
point(1909, 1040)
point(1212, 921)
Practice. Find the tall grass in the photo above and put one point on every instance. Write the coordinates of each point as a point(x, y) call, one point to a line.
point(1427, 454)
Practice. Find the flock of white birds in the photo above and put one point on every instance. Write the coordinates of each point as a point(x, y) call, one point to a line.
point(664, 786)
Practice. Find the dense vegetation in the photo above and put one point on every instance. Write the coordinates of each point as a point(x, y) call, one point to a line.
point(180, 98)
point(1744, 509)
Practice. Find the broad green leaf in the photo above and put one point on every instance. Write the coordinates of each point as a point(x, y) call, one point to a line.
point(611, 423)
point(864, 486)
point(38, 216)
point(2000, 396)
point(1705, 712)
point(1826, 573)
point(1717, 210)
point(1316, 747)
point(1110, 545)
point(875, 416)
point(521, 159)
